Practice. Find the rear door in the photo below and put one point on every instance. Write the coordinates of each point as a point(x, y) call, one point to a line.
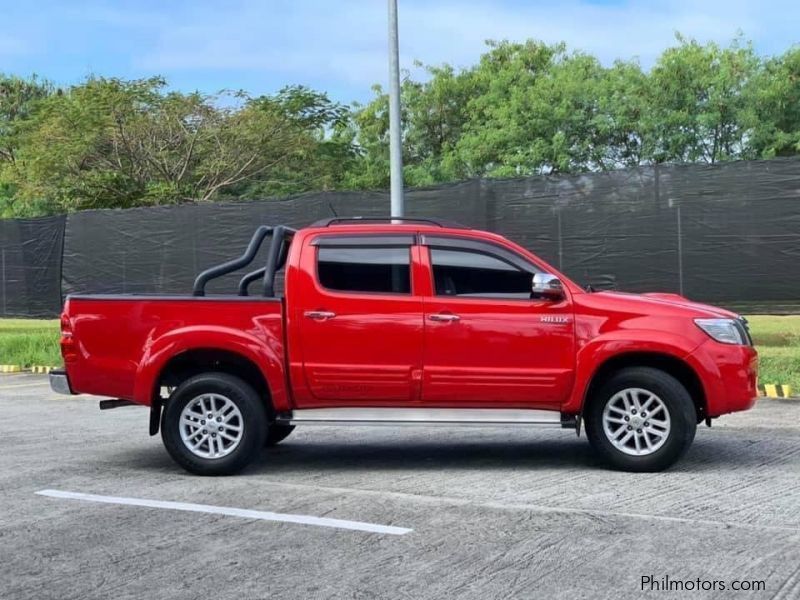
point(360, 322)
point(487, 342)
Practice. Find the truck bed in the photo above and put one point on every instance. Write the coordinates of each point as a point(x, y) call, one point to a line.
point(120, 336)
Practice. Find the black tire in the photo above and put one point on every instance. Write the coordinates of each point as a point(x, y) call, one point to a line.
point(678, 402)
point(276, 433)
point(253, 422)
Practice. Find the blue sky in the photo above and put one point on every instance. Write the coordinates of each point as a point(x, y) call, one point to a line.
point(340, 45)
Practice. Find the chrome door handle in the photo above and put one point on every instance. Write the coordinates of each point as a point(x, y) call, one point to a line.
point(319, 315)
point(444, 318)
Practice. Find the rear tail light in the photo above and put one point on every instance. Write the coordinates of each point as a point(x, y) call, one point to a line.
point(66, 325)
point(68, 350)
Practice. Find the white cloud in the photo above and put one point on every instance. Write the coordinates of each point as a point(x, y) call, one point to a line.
point(344, 42)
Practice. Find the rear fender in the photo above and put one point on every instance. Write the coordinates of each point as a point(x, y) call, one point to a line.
point(267, 356)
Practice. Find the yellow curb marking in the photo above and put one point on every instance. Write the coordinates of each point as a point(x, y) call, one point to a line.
point(773, 390)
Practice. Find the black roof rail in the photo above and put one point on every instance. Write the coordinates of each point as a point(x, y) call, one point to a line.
point(438, 222)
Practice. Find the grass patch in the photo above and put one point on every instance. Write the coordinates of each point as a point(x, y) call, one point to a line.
point(777, 339)
point(29, 342)
point(781, 366)
point(34, 342)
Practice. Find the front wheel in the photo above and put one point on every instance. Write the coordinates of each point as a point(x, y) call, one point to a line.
point(214, 424)
point(641, 419)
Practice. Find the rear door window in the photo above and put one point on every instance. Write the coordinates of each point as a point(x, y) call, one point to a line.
point(365, 269)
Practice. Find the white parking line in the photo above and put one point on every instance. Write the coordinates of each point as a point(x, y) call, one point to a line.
point(231, 512)
point(454, 501)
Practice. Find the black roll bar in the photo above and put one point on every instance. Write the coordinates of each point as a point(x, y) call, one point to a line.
point(245, 281)
point(273, 259)
point(276, 258)
point(279, 248)
point(231, 265)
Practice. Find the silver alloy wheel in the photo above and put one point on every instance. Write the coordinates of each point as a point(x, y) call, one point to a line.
point(211, 426)
point(636, 421)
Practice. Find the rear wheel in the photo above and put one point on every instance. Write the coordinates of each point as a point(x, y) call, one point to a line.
point(641, 419)
point(276, 433)
point(214, 424)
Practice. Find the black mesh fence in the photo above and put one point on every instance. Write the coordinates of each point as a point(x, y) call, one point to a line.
point(30, 266)
point(727, 234)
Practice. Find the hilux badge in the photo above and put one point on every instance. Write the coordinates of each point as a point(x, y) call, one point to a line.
point(554, 319)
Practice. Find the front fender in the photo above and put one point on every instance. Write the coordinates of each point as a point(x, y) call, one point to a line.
point(599, 350)
point(265, 354)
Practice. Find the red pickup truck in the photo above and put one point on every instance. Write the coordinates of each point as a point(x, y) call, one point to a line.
point(407, 321)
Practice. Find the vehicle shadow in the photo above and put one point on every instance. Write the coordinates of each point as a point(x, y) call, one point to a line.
point(506, 450)
point(448, 455)
point(306, 453)
point(309, 454)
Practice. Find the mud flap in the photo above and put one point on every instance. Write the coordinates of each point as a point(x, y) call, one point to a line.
point(155, 416)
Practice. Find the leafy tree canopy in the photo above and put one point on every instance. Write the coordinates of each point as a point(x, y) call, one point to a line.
point(523, 108)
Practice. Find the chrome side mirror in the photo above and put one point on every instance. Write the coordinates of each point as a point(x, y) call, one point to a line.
point(547, 286)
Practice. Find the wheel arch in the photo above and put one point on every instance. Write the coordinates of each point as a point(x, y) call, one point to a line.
point(235, 351)
point(668, 363)
point(195, 361)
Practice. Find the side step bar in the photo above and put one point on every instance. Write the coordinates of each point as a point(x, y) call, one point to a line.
point(426, 416)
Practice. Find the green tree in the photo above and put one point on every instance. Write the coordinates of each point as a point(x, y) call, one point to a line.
point(774, 98)
point(316, 136)
point(115, 143)
point(369, 134)
point(622, 107)
point(436, 112)
point(698, 110)
point(528, 108)
point(506, 132)
point(18, 97)
point(524, 108)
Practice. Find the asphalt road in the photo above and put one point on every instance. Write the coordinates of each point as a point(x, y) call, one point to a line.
point(495, 513)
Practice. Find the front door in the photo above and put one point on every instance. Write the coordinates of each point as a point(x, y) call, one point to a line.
point(487, 342)
point(360, 323)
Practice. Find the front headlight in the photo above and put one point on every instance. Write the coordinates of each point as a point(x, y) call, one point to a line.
point(725, 331)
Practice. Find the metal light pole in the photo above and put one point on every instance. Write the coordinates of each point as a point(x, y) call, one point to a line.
point(395, 135)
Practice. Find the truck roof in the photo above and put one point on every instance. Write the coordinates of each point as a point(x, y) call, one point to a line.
point(386, 225)
point(395, 221)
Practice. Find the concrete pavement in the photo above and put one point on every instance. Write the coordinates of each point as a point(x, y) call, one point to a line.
point(495, 513)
